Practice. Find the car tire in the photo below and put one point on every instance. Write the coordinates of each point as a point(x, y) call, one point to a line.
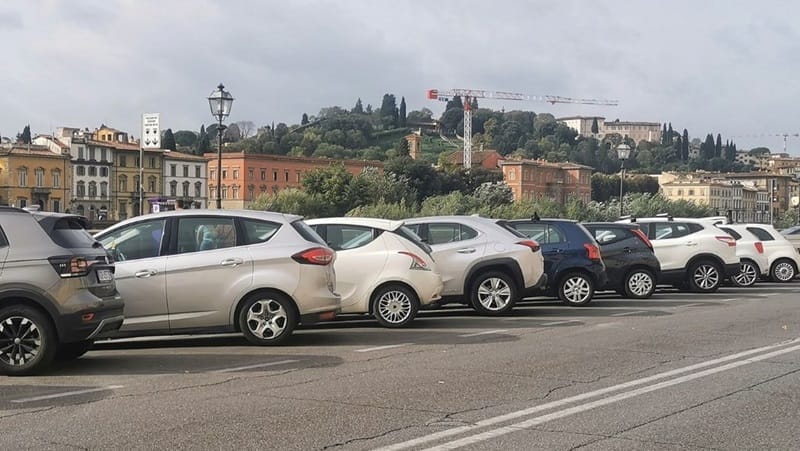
point(783, 271)
point(267, 318)
point(639, 284)
point(493, 293)
point(394, 305)
point(576, 288)
point(748, 274)
point(28, 341)
point(72, 351)
point(705, 276)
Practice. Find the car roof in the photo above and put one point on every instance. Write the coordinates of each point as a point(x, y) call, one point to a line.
point(545, 220)
point(377, 223)
point(474, 219)
point(254, 214)
point(629, 225)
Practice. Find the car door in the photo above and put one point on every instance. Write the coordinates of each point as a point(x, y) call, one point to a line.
point(456, 248)
point(673, 244)
point(139, 272)
point(208, 269)
point(555, 248)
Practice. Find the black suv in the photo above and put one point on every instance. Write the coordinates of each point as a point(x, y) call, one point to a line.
point(572, 258)
point(57, 290)
point(632, 267)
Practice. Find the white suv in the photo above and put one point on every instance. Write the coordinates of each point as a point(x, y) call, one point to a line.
point(694, 254)
point(783, 258)
point(481, 262)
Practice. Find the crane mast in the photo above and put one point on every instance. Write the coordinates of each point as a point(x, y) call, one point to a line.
point(468, 94)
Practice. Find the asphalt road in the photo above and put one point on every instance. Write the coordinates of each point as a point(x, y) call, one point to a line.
point(678, 371)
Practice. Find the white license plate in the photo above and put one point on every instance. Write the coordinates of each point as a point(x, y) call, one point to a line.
point(105, 275)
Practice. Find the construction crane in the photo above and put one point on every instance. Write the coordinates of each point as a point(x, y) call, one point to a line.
point(763, 135)
point(468, 94)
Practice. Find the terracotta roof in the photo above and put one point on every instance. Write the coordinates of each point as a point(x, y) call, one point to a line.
point(34, 150)
point(477, 157)
point(175, 155)
point(545, 163)
point(264, 156)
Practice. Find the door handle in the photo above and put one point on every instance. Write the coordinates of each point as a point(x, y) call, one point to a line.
point(234, 262)
point(145, 273)
point(468, 250)
point(627, 249)
point(691, 243)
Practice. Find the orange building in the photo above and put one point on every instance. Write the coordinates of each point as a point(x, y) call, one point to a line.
point(245, 176)
point(34, 175)
point(539, 178)
point(487, 159)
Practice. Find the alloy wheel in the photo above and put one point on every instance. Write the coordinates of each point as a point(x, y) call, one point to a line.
point(784, 271)
point(20, 340)
point(747, 275)
point(394, 306)
point(577, 289)
point(267, 319)
point(640, 284)
point(706, 277)
point(494, 293)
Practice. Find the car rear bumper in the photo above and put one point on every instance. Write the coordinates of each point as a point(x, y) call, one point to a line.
point(536, 289)
point(95, 321)
point(427, 284)
point(732, 269)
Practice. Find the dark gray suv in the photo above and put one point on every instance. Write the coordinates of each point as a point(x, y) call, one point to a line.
point(57, 291)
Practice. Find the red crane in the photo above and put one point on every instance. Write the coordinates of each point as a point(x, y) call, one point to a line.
point(468, 94)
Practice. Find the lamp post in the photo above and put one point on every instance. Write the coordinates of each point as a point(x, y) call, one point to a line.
point(623, 153)
point(220, 102)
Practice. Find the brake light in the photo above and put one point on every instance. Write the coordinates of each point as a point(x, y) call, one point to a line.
point(593, 251)
point(759, 247)
point(315, 256)
point(416, 261)
point(727, 240)
point(643, 237)
point(70, 266)
point(531, 244)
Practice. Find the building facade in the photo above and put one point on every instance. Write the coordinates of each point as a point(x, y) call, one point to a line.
point(529, 179)
point(34, 175)
point(638, 131)
point(583, 125)
point(245, 176)
point(185, 179)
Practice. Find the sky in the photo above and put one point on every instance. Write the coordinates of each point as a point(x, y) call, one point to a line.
point(713, 66)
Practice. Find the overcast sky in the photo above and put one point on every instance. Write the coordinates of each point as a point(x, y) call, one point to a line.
point(723, 66)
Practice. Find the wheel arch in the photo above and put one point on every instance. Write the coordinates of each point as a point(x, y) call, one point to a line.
point(508, 266)
point(705, 256)
point(371, 303)
point(33, 300)
point(263, 290)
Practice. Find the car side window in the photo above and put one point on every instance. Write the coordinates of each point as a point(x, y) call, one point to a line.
point(736, 235)
point(666, 230)
point(344, 237)
point(3, 239)
point(761, 234)
point(140, 240)
point(610, 235)
point(256, 231)
point(205, 233)
point(541, 233)
point(440, 233)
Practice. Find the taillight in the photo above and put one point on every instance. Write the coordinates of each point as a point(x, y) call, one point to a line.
point(315, 256)
point(70, 266)
point(593, 251)
point(727, 240)
point(531, 244)
point(643, 237)
point(759, 247)
point(416, 261)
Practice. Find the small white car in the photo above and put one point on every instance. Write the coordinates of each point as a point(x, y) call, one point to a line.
point(782, 255)
point(754, 263)
point(381, 268)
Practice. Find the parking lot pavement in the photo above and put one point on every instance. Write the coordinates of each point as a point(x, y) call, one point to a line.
point(350, 384)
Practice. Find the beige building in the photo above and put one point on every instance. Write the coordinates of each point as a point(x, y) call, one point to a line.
point(34, 175)
point(638, 131)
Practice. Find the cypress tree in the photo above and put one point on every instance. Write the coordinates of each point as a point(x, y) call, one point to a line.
point(402, 118)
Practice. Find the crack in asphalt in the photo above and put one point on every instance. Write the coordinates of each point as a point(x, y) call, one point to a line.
point(62, 445)
point(601, 437)
point(361, 439)
point(27, 412)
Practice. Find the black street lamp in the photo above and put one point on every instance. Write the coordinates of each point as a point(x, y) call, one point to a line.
point(623, 153)
point(220, 102)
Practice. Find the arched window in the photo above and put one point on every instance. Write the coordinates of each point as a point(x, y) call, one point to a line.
point(80, 189)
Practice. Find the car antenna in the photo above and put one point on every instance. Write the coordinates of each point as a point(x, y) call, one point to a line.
point(535, 216)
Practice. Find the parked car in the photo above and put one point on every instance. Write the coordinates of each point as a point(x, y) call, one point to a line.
point(481, 263)
point(754, 263)
point(201, 271)
point(793, 235)
point(572, 259)
point(631, 264)
point(381, 268)
point(781, 254)
point(57, 290)
point(694, 254)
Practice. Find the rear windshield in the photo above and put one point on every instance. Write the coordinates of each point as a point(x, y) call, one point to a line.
point(511, 229)
point(408, 234)
point(69, 233)
point(308, 233)
point(736, 236)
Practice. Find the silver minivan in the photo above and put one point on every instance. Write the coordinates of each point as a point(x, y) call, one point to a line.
point(206, 271)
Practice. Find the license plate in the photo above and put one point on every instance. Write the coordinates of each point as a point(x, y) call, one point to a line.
point(105, 275)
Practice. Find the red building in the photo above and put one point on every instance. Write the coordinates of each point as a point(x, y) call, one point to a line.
point(539, 178)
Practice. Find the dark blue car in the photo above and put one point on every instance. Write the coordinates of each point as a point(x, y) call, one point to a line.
point(572, 259)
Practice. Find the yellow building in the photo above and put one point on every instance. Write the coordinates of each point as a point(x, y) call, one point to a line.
point(738, 198)
point(34, 175)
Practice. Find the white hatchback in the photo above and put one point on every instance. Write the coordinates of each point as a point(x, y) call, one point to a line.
point(381, 268)
point(782, 256)
point(754, 262)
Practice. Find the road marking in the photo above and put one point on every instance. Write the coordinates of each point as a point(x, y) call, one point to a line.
point(66, 394)
point(729, 300)
point(629, 313)
point(381, 348)
point(584, 396)
point(556, 323)
point(604, 401)
point(250, 367)
point(485, 332)
point(691, 305)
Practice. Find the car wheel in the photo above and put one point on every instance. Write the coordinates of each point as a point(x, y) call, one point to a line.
point(493, 293)
point(748, 274)
point(705, 277)
point(267, 318)
point(640, 284)
point(394, 305)
point(576, 289)
point(27, 341)
point(783, 271)
point(72, 351)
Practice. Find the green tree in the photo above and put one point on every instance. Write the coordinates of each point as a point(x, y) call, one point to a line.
point(473, 103)
point(368, 110)
point(595, 127)
point(685, 146)
point(358, 108)
point(204, 145)
point(388, 111)
point(168, 140)
point(718, 146)
point(25, 136)
point(455, 102)
point(304, 119)
point(494, 194)
point(402, 113)
point(291, 201)
point(670, 134)
point(401, 148)
point(185, 138)
point(331, 184)
point(664, 134)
